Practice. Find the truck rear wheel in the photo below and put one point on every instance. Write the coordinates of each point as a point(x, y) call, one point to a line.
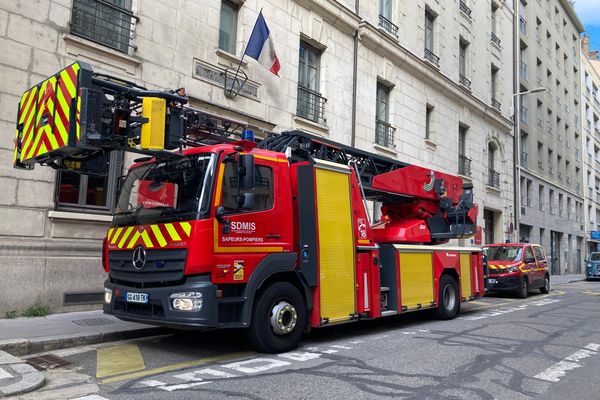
point(279, 318)
point(448, 298)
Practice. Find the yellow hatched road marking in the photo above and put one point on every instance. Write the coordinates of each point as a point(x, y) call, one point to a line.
point(177, 366)
point(118, 360)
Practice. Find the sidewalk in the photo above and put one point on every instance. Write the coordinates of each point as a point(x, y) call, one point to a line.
point(22, 336)
point(560, 279)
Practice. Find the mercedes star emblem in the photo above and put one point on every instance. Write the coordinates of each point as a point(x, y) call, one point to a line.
point(139, 257)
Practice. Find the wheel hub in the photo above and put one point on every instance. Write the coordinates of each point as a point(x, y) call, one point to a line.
point(448, 297)
point(283, 318)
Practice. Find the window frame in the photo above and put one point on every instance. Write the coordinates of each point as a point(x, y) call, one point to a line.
point(232, 44)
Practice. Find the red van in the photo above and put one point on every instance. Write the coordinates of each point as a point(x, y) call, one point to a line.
point(517, 268)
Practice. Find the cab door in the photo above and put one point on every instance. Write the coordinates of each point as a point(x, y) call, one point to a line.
point(530, 266)
point(244, 236)
point(542, 263)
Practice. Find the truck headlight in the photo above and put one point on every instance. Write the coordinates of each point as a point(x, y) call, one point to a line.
point(186, 301)
point(107, 295)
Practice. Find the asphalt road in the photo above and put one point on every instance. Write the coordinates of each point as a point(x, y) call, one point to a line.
point(546, 346)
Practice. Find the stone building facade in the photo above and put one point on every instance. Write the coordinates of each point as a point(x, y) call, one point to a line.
point(551, 160)
point(428, 82)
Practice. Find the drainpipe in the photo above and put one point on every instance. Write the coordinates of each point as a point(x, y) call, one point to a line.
point(354, 78)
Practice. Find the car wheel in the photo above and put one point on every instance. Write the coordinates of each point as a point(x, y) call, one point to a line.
point(448, 298)
point(524, 288)
point(546, 287)
point(279, 318)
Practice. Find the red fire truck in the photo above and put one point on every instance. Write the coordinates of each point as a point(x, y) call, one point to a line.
point(273, 236)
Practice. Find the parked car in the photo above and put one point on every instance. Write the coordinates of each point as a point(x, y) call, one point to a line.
point(517, 268)
point(592, 266)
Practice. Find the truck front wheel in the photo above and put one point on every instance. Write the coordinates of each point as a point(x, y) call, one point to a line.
point(279, 318)
point(448, 298)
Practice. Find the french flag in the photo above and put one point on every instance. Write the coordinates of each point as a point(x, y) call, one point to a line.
point(260, 46)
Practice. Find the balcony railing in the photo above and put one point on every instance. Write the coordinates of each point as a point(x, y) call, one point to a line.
point(388, 25)
point(464, 81)
point(538, 80)
point(541, 165)
point(384, 133)
point(464, 165)
point(104, 23)
point(523, 25)
point(523, 114)
point(493, 179)
point(496, 104)
point(431, 57)
point(495, 39)
point(539, 122)
point(311, 105)
point(523, 70)
point(464, 9)
point(524, 159)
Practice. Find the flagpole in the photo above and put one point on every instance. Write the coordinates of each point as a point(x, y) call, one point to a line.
point(243, 55)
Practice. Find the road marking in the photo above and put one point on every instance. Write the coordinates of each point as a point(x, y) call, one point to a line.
point(560, 369)
point(478, 303)
point(91, 397)
point(337, 346)
point(304, 356)
point(174, 367)
point(4, 374)
point(118, 360)
point(256, 365)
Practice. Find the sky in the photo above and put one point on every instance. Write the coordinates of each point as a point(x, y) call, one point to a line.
point(589, 14)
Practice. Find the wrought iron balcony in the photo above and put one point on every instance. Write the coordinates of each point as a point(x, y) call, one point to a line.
point(493, 179)
point(496, 104)
point(495, 39)
point(431, 57)
point(541, 165)
point(388, 25)
point(524, 159)
point(523, 70)
point(104, 23)
point(464, 8)
point(523, 114)
point(311, 105)
point(539, 122)
point(384, 133)
point(523, 25)
point(464, 81)
point(464, 165)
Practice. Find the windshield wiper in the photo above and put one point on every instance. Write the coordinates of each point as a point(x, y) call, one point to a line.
point(168, 211)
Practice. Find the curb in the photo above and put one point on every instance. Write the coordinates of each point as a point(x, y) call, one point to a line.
point(22, 347)
point(13, 367)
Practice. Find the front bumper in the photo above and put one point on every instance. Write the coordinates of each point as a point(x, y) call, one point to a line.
point(158, 310)
point(509, 283)
point(593, 272)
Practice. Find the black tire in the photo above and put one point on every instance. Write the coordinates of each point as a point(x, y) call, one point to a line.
point(523, 288)
point(546, 288)
point(448, 298)
point(268, 334)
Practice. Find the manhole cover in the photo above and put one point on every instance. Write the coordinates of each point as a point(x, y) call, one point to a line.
point(46, 362)
point(93, 322)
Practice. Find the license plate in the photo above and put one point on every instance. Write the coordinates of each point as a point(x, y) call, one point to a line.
point(491, 280)
point(137, 297)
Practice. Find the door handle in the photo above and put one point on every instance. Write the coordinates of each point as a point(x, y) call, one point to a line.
point(273, 236)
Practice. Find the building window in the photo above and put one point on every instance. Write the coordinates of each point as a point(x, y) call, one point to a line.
point(385, 17)
point(107, 22)
point(493, 175)
point(464, 163)
point(89, 193)
point(228, 27)
point(428, 112)
point(429, 25)
point(494, 88)
point(463, 49)
point(494, 20)
point(384, 132)
point(311, 105)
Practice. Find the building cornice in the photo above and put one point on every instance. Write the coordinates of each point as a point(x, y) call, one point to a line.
point(334, 13)
point(388, 47)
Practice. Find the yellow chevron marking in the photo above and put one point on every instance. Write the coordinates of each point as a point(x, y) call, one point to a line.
point(159, 236)
point(187, 227)
point(146, 239)
point(116, 235)
point(134, 239)
point(125, 236)
point(174, 235)
point(118, 360)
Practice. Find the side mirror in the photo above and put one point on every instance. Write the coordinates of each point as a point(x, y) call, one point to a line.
point(246, 201)
point(246, 171)
point(219, 213)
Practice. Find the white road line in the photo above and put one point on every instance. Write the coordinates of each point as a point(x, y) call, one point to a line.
point(256, 365)
point(91, 397)
point(331, 351)
point(560, 369)
point(300, 356)
point(337, 346)
point(4, 374)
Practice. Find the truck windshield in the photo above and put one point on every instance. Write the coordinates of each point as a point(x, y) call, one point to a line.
point(504, 253)
point(163, 191)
